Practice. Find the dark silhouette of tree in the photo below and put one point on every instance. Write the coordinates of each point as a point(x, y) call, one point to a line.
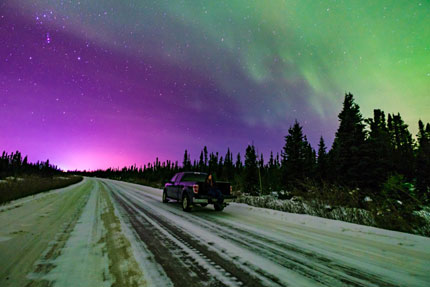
point(377, 153)
point(205, 151)
point(238, 172)
point(219, 170)
point(186, 163)
point(310, 160)
point(322, 160)
point(346, 154)
point(423, 162)
point(273, 174)
point(250, 172)
point(402, 146)
point(262, 175)
point(298, 157)
point(13, 165)
point(238, 165)
point(271, 162)
point(202, 165)
point(213, 162)
point(228, 168)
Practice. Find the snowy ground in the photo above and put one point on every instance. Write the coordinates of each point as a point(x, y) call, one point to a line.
point(104, 233)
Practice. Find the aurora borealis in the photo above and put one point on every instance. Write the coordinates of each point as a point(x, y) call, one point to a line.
point(93, 84)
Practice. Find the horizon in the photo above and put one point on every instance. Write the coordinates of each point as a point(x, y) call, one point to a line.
point(100, 85)
point(179, 160)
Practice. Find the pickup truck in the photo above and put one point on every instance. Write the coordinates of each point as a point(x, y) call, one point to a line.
point(190, 189)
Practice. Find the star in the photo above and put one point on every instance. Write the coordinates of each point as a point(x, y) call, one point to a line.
point(48, 38)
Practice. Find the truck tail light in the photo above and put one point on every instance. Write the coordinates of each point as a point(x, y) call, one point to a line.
point(195, 188)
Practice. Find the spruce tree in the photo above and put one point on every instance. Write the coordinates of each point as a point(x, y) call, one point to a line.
point(220, 167)
point(213, 163)
point(298, 157)
point(250, 172)
point(423, 162)
point(261, 174)
point(346, 155)
point(186, 163)
point(238, 165)
point(205, 151)
point(310, 159)
point(278, 161)
point(403, 147)
point(270, 171)
point(201, 162)
point(377, 153)
point(322, 164)
point(228, 166)
point(271, 161)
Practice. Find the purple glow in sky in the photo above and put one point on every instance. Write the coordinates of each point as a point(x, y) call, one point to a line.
point(97, 84)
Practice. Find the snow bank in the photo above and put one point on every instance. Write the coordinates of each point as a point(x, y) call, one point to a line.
point(353, 215)
point(424, 214)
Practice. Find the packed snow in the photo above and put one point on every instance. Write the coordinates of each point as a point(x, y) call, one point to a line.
point(118, 233)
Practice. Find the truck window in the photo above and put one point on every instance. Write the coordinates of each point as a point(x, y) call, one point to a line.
point(174, 178)
point(194, 177)
point(178, 177)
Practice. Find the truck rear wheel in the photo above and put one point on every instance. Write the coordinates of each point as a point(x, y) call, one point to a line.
point(165, 200)
point(186, 203)
point(218, 206)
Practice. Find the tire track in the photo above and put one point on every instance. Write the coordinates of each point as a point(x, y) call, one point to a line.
point(308, 264)
point(277, 249)
point(227, 269)
point(290, 256)
point(275, 255)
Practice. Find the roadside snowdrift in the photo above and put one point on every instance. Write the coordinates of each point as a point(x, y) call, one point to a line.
point(352, 215)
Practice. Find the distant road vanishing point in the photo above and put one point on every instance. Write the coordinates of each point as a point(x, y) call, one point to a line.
point(103, 232)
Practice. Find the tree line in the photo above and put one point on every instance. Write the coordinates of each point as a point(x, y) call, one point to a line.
point(20, 178)
point(14, 165)
point(373, 157)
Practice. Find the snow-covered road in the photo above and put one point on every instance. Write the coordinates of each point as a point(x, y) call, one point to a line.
point(122, 233)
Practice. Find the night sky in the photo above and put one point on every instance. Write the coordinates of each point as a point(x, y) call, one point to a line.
point(92, 84)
